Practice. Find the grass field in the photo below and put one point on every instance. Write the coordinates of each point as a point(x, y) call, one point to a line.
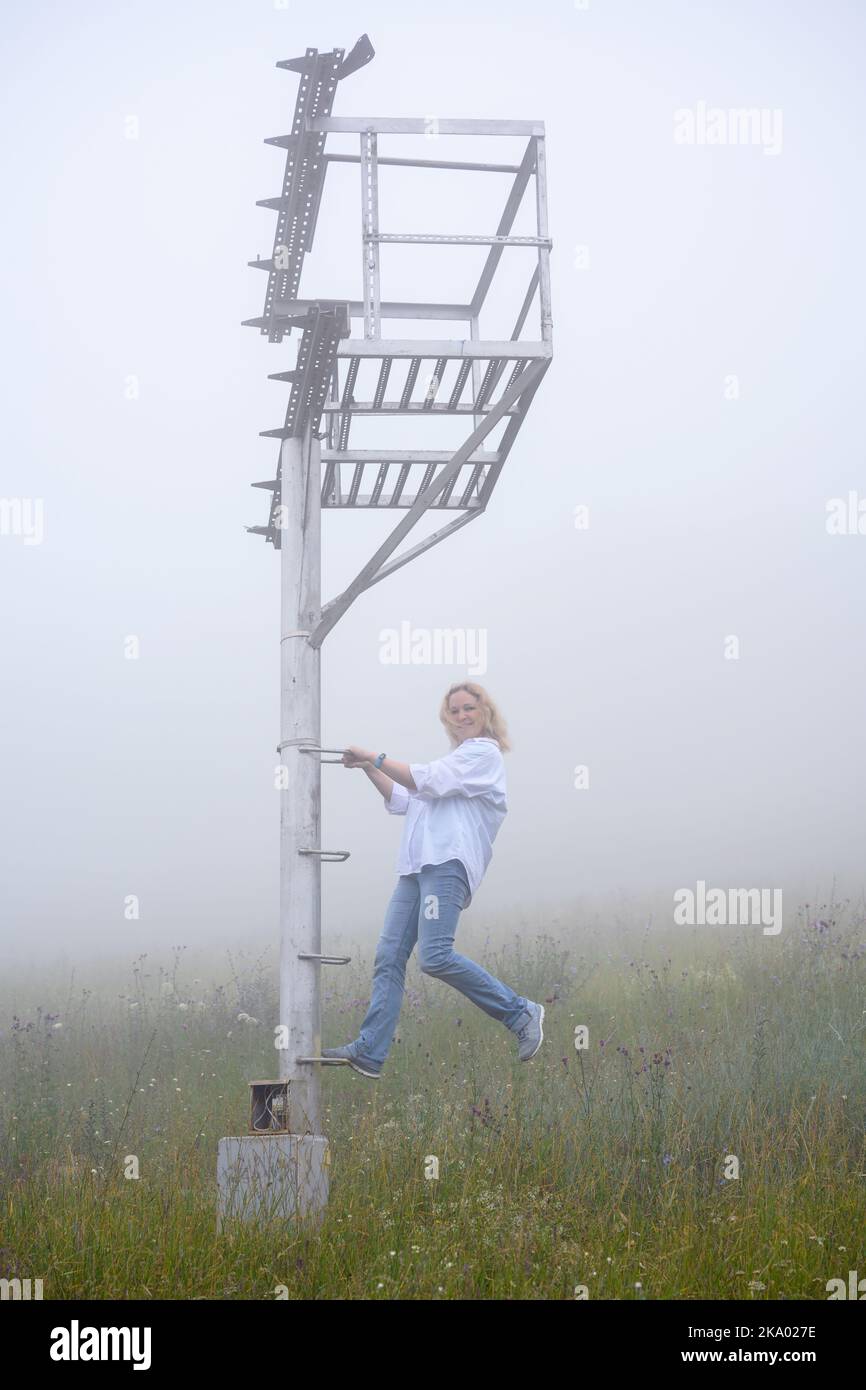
point(605, 1168)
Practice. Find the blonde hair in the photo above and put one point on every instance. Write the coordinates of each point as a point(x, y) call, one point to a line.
point(494, 724)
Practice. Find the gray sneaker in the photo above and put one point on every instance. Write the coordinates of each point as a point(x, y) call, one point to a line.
point(530, 1034)
point(362, 1065)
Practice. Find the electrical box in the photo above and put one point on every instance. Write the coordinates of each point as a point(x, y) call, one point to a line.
point(269, 1107)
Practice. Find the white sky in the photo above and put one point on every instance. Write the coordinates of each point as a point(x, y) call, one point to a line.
point(605, 646)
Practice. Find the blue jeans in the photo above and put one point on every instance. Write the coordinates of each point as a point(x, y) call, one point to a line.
point(425, 907)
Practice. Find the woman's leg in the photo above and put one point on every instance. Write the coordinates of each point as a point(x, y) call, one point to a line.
point(443, 894)
point(395, 946)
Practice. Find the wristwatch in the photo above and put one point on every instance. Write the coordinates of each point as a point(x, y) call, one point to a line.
point(379, 761)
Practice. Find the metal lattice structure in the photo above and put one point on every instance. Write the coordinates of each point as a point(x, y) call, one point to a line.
point(493, 380)
point(486, 383)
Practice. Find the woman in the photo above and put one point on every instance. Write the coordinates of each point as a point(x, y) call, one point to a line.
point(453, 808)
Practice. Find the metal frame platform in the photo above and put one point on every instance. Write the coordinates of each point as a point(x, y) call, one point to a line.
point(491, 380)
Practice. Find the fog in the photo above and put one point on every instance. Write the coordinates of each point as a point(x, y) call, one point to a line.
point(703, 408)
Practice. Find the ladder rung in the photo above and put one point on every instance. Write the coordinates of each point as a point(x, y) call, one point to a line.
point(462, 374)
point(324, 960)
point(384, 372)
point(328, 856)
point(411, 375)
point(436, 382)
point(326, 1061)
point(307, 749)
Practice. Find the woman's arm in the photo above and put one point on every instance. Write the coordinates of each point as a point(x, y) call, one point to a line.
point(379, 780)
point(390, 769)
point(396, 797)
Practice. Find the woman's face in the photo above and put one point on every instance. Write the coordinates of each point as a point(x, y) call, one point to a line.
point(466, 715)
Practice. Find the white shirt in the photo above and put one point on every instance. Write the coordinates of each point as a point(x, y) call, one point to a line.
point(456, 811)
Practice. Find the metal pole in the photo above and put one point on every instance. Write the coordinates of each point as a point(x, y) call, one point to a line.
point(300, 799)
point(370, 233)
point(543, 251)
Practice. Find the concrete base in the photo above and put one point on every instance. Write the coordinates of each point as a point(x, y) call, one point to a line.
point(273, 1177)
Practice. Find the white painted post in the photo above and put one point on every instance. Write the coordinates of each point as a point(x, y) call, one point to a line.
point(300, 800)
